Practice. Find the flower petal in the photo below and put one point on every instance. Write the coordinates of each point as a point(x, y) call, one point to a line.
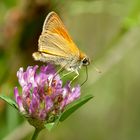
point(48, 103)
point(75, 94)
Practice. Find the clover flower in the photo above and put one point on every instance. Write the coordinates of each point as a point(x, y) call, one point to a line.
point(43, 97)
point(43, 100)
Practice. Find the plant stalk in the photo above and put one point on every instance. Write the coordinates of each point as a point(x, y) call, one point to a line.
point(35, 135)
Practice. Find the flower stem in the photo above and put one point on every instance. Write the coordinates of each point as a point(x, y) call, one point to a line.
point(34, 137)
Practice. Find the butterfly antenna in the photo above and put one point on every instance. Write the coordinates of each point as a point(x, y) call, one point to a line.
point(97, 70)
point(86, 77)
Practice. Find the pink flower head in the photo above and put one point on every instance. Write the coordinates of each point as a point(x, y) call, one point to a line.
point(42, 93)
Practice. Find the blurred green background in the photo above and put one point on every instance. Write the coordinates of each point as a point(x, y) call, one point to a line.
point(109, 32)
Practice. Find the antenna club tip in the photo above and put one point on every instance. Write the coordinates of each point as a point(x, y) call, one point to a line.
point(98, 70)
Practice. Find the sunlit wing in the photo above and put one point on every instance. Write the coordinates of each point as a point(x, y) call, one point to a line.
point(55, 39)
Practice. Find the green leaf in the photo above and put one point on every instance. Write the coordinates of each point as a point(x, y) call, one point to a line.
point(51, 126)
point(9, 101)
point(74, 106)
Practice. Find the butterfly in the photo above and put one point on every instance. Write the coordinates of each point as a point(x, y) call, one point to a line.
point(56, 46)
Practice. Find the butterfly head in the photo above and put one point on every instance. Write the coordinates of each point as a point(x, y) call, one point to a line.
point(85, 61)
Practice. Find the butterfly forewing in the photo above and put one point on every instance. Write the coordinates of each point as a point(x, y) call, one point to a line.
point(54, 24)
point(55, 39)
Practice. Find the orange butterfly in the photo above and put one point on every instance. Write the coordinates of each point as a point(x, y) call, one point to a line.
point(57, 47)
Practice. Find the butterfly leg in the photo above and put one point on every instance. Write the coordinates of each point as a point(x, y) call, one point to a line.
point(77, 74)
point(66, 74)
point(59, 71)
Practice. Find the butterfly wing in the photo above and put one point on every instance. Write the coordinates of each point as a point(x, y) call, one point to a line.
point(55, 39)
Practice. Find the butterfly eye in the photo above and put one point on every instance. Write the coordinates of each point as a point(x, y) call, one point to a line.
point(85, 61)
